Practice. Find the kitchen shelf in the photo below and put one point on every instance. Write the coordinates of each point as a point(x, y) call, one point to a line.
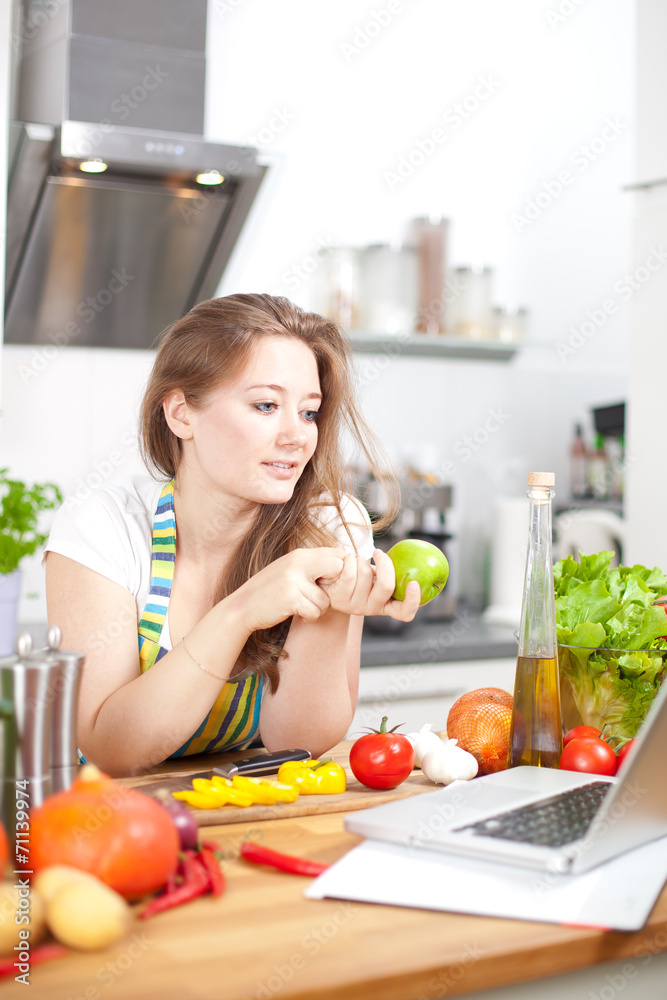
point(424, 345)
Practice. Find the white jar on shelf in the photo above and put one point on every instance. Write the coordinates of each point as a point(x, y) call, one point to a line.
point(389, 281)
point(470, 314)
point(509, 325)
point(338, 289)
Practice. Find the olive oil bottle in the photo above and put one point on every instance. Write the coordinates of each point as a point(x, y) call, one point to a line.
point(536, 735)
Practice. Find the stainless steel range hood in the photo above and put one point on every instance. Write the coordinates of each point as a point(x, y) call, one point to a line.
point(110, 258)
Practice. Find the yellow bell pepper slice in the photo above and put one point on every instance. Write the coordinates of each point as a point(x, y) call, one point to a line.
point(265, 792)
point(300, 774)
point(314, 777)
point(219, 782)
point(198, 800)
point(205, 795)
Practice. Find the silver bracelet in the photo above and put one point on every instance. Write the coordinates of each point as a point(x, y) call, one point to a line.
point(200, 665)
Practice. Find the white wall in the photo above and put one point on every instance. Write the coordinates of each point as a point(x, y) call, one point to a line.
point(340, 115)
point(647, 481)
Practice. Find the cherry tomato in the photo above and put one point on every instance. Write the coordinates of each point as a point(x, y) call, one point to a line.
point(623, 752)
point(580, 731)
point(588, 753)
point(382, 759)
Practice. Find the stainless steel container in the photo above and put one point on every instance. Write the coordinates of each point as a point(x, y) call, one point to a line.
point(27, 685)
point(64, 753)
point(39, 690)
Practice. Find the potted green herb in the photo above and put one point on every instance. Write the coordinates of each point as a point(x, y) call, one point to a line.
point(20, 507)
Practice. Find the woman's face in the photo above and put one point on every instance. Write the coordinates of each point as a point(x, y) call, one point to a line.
point(254, 438)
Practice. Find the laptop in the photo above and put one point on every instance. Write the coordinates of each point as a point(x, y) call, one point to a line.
point(535, 817)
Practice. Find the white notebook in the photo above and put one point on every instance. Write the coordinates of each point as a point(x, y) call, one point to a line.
point(618, 895)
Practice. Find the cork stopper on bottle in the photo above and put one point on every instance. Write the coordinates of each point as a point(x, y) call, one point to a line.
point(541, 479)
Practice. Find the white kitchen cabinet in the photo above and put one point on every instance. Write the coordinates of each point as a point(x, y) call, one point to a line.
point(416, 693)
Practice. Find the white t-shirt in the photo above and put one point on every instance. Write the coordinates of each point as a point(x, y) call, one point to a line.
point(110, 532)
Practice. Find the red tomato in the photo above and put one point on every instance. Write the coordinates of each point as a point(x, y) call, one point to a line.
point(662, 603)
point(382, 759)
point(580, 731)
point(588, 753)
point(623, 752)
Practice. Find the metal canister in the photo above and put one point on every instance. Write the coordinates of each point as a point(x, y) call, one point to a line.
point(38, 711)
point(27, 683)
point(64, 754)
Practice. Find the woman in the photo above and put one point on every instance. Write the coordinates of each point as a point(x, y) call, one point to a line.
point(224, 603)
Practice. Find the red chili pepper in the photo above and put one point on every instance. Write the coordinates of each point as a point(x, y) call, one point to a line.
point(39, 953)
point(252, 851)
point(209, 862)
point(210, 844)
point(195, 883)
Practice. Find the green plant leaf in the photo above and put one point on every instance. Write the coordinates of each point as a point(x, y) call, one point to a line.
point(20, 507)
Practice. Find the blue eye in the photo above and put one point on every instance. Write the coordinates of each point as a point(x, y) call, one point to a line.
point(312, 416)
point(261, 407)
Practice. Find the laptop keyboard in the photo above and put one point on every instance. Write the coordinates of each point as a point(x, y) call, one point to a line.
point(551, 822)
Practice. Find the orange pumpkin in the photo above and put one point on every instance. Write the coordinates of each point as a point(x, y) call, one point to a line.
point(4, 849)
point(120, 834)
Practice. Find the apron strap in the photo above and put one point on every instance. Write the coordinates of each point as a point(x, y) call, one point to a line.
point(163, 558)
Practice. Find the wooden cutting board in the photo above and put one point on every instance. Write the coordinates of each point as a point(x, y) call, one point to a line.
point(357, 796)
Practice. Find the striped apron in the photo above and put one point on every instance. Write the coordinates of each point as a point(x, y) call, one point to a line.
point(233, 722)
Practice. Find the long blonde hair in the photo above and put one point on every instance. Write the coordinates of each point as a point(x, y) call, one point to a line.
point(209, 347)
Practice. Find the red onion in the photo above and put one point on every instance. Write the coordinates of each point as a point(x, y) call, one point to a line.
point(183, 820)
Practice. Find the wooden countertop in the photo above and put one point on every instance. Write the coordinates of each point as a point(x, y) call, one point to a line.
point(263, 940)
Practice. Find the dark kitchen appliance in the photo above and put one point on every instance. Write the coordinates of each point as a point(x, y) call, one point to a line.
point(424, 513)
point(610, 420)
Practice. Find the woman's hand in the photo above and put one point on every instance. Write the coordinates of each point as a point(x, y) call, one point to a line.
point(364, 589)
point(289, 586)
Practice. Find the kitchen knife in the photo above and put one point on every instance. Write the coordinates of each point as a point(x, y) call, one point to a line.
point(263, 763)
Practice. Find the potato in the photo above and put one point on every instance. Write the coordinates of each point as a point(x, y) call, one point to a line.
point(51, 880)
point(26, 904)
point(87, 914)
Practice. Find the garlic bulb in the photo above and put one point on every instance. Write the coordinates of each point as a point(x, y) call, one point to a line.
point(423, 741)
point(448, 763)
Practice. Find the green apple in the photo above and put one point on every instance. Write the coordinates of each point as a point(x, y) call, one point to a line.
point(415, 559)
